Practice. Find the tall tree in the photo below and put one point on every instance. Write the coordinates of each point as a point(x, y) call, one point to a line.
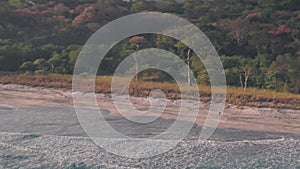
point(238, 28)
point(245, 69)
point(138, 41)
point(187, 52)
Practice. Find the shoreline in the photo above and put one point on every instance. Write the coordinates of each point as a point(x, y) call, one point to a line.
point(234, 117)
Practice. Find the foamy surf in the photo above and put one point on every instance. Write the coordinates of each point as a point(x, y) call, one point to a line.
point(49, 151)
point(53, 138)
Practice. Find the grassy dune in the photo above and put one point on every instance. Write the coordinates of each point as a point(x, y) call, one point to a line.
point(235, 95)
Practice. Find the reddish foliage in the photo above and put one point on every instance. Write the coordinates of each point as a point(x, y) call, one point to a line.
point(295, 31)
point(79, 9)
point(68, 20)
point(280, 30)
point(46, 12)
point(62, 19)
point(215, 24)
point(90, 10)
point(58, 7)
point(59, 18)
point(24, 11)
point(137, 39)
point(284, 28)
point(253, 15)
point(39, 7)
point(34, 10)
point(51, 3)
point(87, 13)
point(194, 21)
point(35, 7)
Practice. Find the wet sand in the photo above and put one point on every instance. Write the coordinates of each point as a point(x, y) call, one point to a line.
point(39, 128)
point(51, 137)
point(242, 118)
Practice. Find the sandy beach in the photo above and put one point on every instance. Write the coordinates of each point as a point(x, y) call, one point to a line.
point(234, 117)
point(40, 129)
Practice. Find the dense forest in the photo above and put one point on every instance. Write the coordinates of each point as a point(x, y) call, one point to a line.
point(258, 40)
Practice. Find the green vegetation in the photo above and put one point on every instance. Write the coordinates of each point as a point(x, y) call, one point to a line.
point(258, 41)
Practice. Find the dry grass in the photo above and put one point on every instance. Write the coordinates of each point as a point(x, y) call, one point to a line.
point(50, 81)
point(263, 98)
point(237, 96)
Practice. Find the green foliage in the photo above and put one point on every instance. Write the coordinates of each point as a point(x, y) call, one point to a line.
point(12, 54)
point(73, 54)
point(27, 66)
point(274, 80)
point(259, 41)
point(47, 50)
point(284, 72)
point(41, 65)
point(138, 6)
point(53, 62)
point(16, 3)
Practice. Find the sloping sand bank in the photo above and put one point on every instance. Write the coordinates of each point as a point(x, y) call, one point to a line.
point(245, 118)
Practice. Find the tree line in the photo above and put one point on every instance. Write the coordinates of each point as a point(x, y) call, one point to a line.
point(258, 41)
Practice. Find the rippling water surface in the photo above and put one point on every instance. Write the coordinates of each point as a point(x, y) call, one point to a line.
point(53, 138)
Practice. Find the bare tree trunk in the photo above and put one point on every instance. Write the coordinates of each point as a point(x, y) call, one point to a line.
point(245, 82)
point(136, 63)
point(241, 80)
point(52, 68)
point(189, 68)
point(247, 74)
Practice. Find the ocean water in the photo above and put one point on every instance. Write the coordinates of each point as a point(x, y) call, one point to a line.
point(53, 138)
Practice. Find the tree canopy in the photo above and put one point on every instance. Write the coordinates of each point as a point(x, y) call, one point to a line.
point(258, 41)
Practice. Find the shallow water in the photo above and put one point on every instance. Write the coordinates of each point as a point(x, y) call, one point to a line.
point(53, 138)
